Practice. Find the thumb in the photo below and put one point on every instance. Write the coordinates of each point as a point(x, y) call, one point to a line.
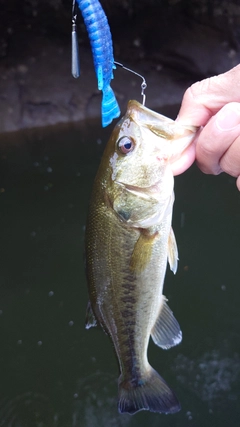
point(205, 98)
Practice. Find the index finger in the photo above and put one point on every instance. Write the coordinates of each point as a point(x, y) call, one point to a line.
point(205, 98)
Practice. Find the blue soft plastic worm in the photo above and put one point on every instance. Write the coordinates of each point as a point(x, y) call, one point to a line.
point(102, 50)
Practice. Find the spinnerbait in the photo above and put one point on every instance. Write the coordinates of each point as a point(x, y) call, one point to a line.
point(101, 43)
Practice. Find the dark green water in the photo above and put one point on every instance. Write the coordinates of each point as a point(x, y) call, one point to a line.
point(53, 373)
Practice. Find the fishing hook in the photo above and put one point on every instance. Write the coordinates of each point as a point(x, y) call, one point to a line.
point(144, 83)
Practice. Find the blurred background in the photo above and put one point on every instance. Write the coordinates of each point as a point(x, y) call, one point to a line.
point(53, 373)
point(172, 43)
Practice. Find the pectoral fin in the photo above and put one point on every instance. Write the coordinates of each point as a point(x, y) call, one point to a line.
point(172, 252)
point(91, 320)
point(142, 251)
point(166, 332)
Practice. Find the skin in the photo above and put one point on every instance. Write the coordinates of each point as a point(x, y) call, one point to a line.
point(214, 105)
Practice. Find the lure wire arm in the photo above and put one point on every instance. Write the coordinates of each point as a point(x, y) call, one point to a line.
point(74, 10)
point(75, 51)
point(144, 83)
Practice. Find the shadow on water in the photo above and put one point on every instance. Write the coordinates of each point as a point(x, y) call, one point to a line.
point(53, 372)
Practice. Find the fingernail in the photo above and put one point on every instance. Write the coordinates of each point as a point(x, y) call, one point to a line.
point(228, 119)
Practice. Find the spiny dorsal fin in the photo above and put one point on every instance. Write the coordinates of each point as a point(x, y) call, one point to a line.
point(166, 332)
point(172, 252)
point(91, 321)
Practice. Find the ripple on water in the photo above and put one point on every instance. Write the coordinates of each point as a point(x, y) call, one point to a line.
point(95, 402)
point(27, 410)
point(212, 377)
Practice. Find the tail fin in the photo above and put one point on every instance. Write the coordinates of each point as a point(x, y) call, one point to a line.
point(110, 107)
point(149, 393)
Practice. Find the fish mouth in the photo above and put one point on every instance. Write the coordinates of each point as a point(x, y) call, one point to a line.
point(157, 203)
point(150, 192)
point(159, 124)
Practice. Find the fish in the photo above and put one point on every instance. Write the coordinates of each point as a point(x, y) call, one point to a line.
point(102, 50)
point(129, 239)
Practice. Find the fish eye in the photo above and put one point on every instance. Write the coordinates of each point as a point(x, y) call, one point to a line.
point(125, 145)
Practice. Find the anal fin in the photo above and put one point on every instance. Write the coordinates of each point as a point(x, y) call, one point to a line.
point(166, 332)
point(91, 320)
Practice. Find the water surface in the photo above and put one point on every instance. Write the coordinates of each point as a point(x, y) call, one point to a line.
point(53, 372)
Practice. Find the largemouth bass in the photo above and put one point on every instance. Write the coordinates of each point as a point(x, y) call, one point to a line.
point(129, 239)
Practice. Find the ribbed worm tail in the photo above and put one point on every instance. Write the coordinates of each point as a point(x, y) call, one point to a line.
point(110, 107)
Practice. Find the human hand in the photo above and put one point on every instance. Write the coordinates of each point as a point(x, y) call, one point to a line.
point(213, 104)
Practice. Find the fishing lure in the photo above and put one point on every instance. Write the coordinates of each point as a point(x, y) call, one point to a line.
point(101, 43)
